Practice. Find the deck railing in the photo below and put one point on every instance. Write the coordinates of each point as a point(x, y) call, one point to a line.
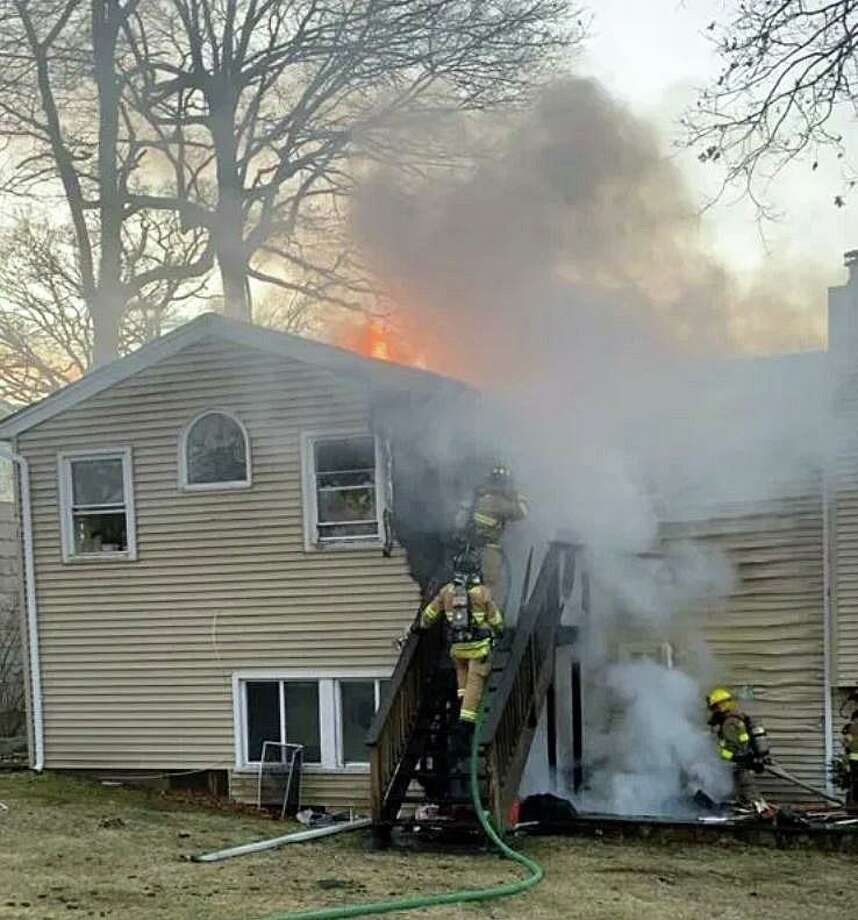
point(518, 691)
point(391, 734)
point(522, 673)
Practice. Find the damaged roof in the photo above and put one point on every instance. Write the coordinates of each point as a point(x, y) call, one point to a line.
point(381, 374)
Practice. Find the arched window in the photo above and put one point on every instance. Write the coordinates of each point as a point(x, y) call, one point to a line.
point(215, 453)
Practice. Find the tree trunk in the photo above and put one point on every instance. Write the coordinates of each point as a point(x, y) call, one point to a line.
point(105, 328)
point(229, 227)
point(233, 267)
point(109, 303)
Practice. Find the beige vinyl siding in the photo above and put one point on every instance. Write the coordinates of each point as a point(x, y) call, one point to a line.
point(331, 790)
point(138, 656)
point(768, 634)
point(844, 537)
point(844, 520)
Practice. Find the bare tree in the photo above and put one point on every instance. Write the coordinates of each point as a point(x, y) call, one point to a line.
point(46, 329)
point(61, 107)
point(12, 714)
point(789, 67)
point(264, 109)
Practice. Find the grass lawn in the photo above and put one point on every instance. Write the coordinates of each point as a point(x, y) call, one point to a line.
point(74, 849)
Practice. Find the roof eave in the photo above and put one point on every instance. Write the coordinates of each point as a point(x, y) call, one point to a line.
point(337, 360)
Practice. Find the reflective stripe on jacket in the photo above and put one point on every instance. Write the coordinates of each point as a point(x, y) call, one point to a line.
point(493, 510)
point(850, 740)
point(484, 614)
point(733, 736)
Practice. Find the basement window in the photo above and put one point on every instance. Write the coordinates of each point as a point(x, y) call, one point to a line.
point(329, 716)
point(343, 504)
point(359, 700)
point(286, 712)
point(97, 506)
point(215, 453)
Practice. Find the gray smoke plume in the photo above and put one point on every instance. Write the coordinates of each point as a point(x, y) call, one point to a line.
point(665, 755)
point(567, 276)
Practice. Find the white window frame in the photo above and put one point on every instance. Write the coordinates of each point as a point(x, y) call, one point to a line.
point(185, 485)
point(66, 494)
point(330, 713)
point(308, 480)
point(338, 704)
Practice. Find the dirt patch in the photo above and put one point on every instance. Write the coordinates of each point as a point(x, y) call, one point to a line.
point(76, 849)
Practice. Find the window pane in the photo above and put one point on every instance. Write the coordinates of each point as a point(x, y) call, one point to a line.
point(339, 531)
point(302, 718)
point(350, 478)
point(106, 532)
point(263, 715)
point(97, 482)
point(346, 505)
point(216, 450)
point(358, 707)
point(338, 454)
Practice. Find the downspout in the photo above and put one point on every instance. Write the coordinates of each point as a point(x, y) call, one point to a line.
point(32, 609)
point(827, 634)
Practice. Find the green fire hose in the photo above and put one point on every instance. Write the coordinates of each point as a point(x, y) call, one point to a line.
point(453, 897)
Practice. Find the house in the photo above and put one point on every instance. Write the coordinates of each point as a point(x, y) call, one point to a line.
point(785, 635)
point(207, 526)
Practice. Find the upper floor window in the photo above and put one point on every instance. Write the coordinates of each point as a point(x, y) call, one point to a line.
point(342, 501)
point(215, 453)
point(97, 505)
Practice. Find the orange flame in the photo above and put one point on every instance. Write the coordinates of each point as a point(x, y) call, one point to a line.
point(378, 339)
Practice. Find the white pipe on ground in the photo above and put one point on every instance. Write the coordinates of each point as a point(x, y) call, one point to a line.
point(296, 837)
point(34, 662)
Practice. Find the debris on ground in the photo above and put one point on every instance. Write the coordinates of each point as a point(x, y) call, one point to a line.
point(322, 818)
point(112, 823)
point(138, 876)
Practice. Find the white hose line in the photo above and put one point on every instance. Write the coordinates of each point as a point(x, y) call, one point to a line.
point(297, 837)
point(780, 773)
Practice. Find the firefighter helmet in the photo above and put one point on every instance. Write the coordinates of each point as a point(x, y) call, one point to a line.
point(501, 472)
point(719, 698)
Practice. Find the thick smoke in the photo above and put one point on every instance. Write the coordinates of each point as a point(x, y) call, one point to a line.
point(567, 276)
point(665, 756)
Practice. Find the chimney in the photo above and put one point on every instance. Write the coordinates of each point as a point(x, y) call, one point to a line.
point(843, 314)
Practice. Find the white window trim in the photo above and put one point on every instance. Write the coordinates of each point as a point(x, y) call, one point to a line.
point(187, 486)
point(337, 683)
point(330, 716)
point(64, 461)
point(308, 487)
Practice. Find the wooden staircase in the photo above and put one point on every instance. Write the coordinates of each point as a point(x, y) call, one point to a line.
point(413, 735)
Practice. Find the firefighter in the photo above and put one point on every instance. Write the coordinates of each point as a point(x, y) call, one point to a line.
point(850, 751)
point(741, 742)
point(494, 504)
point(473, 622)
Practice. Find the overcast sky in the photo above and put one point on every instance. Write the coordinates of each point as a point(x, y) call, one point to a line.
point(652, 55)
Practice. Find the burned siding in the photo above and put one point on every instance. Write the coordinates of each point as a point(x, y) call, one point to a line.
point(137, 656)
